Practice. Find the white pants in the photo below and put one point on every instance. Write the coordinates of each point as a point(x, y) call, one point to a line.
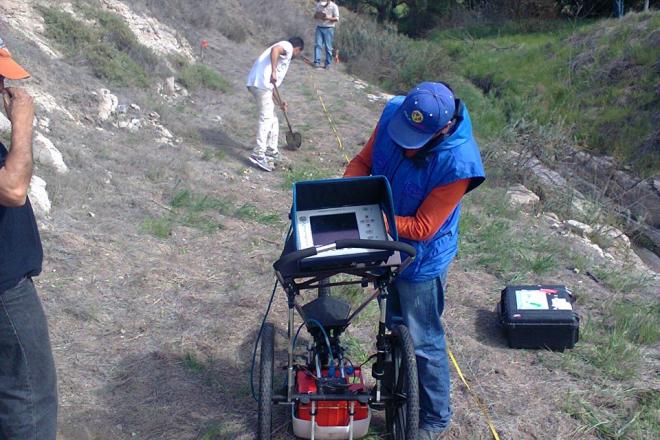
point(268, 130)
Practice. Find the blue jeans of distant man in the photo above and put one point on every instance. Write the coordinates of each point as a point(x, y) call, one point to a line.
point(28, 391)
point(324, 37)
point(617, 6)
point(419, 306)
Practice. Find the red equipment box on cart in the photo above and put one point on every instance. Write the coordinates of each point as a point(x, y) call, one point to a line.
point(332, 420)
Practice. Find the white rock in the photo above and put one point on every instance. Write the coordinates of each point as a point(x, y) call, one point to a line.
point(134, 125)
point(552, 219)
point(579, 228)
point(26, 21)
point(379, 97)
point(135, 107)
point(46, 153)
point(39, 196)
point(107, 104)
point(583, 206)
point(170, 86)
point(518, 195)
point(165, 132)
point(616, 236)
point(5, 124)
point(154, 116)
point(43, 123)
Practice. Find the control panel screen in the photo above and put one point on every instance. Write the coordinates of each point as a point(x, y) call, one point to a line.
point(327, 229)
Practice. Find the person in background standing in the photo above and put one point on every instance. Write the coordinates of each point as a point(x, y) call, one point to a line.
point(268, 72)
point(28, 387)
point(326, 14)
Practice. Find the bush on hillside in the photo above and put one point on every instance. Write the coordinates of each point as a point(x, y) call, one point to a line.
point(198, 75)
point(111, 49)
point(387, 58)
point(616, 89)
point(116, 33)
point(597, 80)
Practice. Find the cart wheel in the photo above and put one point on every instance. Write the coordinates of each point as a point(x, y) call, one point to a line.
point(266, 382)
point(402, 415)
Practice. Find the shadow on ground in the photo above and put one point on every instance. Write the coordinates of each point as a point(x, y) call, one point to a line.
point(218, 139)
point(488, 329)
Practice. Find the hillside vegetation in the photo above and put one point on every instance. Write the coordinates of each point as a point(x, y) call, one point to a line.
point(593, 81)
point(596, 81)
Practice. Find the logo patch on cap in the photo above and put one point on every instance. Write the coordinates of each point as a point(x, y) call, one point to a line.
point(417, 117)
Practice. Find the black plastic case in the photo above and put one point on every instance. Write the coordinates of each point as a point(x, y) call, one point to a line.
point(539, 316)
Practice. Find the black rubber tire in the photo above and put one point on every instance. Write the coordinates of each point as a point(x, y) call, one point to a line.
point(265, 418)
point(402, 419)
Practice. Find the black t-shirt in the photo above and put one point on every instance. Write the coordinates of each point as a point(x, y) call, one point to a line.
point(20, 246)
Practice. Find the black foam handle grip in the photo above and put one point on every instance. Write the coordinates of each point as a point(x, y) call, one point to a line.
point(294, 256)
point(385, 245)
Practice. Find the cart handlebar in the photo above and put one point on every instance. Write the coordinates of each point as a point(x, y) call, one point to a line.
point(385, 245)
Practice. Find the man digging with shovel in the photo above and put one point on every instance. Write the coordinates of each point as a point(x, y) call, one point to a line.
point(266, 75)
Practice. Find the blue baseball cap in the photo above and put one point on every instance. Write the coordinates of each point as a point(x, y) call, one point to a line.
point(428, 108)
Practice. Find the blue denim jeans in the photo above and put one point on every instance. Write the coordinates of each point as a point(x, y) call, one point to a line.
point(419, 306)
point(324, 37)
point(28, 392)
point(617, 6)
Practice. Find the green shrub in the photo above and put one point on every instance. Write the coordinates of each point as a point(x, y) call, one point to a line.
point(197, 76)
point(110, 47)
point(62, 28)
point(621, 414)
point(160, 227)
point(248, 211)
point(596, 81)
point(387, 58)
point(108, 63)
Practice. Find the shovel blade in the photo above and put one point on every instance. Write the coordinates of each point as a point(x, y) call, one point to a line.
point(293, 140)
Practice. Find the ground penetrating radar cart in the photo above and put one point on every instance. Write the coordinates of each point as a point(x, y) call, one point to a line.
point(339, 236)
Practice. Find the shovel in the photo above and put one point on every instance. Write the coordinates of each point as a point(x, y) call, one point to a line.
point(293, 139)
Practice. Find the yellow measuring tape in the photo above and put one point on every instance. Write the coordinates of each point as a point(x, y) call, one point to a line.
point(332, 124)
point(480, 404)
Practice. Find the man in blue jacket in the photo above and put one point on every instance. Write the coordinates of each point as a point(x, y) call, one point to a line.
point(424, 145)
point(28, 394)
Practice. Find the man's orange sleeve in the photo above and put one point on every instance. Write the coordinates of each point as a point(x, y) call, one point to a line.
point(361, 164)
point(433, 212)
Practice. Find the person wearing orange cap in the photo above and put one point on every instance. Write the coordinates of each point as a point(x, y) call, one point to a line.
point(28, 390)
